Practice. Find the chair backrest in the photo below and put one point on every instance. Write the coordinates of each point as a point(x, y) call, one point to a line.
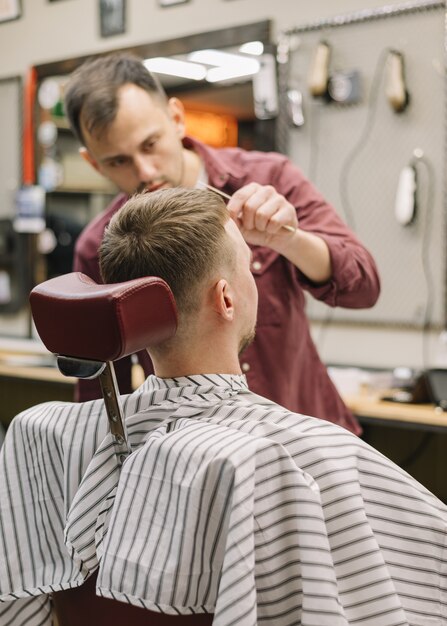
point(76, 317)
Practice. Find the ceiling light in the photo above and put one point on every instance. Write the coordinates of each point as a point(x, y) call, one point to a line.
point(174, 67)
point(217, 74)
point(216, 57)
point(255, 48)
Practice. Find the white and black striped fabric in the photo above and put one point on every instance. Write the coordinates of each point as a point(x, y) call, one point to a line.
point(228, 504)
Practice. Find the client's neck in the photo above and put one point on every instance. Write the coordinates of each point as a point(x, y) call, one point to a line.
point(204, 358)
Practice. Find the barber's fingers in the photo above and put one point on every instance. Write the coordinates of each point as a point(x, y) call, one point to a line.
point(246, 201)
point(279, 219)
point(262, 208)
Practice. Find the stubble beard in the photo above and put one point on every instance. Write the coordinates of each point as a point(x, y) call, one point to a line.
point(246, 340)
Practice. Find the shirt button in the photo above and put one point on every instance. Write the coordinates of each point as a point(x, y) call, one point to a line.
point(256, 265)
point(245, 367)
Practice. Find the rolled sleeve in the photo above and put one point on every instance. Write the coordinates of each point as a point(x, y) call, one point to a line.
point(355, 283)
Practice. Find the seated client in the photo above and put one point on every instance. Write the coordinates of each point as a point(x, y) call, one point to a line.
point(228, 504)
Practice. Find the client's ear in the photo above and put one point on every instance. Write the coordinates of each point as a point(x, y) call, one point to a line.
point(223, 300)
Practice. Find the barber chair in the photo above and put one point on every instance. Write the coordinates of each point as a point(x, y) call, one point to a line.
point(88, 326)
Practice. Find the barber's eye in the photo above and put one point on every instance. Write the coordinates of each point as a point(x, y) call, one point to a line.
point(117, 162)
point(149, 145)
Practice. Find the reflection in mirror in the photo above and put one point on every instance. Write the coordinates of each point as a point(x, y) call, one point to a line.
point(224, 91)
point(229, 72)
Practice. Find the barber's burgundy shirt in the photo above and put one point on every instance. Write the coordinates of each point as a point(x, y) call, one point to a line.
point(282, 363)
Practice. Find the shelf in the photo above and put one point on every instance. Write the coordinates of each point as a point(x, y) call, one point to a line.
point(81, 192)
point(61, 123)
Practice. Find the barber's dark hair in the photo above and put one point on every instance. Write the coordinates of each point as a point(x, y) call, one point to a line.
point(175, 234)
point(92, 89)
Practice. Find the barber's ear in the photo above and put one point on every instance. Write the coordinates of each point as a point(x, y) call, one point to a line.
point(177, 115)
point(85, 154)
point(223, 300)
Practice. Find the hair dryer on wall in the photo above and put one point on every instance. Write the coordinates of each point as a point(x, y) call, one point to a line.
point(405, 206)
point(405, 203)
point(396, 89)
point(319, 72)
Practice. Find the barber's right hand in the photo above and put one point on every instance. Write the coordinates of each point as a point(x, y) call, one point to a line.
point(261, 214)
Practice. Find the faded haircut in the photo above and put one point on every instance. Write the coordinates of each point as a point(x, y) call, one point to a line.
point(175, 234)
point(91, 91)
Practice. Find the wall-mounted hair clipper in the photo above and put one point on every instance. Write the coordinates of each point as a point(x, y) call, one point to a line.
point(396, 89)
point(319, 72)
point(405, 204)
point(295, 107)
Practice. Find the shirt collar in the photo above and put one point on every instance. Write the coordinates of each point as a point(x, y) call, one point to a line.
point(198, 383)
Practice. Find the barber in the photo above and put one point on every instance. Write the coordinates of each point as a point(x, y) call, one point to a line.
point(134, 135)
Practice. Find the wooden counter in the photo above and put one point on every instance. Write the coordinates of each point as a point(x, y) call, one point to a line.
point(46, 374)
point(25, 383)
point(369, 408)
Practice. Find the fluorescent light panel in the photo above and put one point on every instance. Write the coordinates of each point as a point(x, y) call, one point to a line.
point(255, 48)
point(217, 74)
point(174, 67)
point(226, 66)
point(218, 58)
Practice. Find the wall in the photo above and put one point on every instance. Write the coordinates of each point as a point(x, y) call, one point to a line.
point(50, 31)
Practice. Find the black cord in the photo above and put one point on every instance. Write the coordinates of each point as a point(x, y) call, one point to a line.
point(314, 142)
point(364, 136)
point(411, 458)
point(347, 164)
point(414, 455)
point(425, 256)
point(312, 174)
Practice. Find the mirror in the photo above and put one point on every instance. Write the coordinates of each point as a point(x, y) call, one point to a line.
point(235, 111)
point(242, 98)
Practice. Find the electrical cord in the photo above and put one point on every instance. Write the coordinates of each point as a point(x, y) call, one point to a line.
point(314, 137)
point(363, 138)
point(415, 454)
point(420, 159)
point(411, 457)
point(312, 174)
point(347, 164)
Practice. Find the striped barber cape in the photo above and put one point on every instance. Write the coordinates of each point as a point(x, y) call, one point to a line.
point(228, 504)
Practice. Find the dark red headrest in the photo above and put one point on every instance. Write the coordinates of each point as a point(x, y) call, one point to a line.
point(76, 317)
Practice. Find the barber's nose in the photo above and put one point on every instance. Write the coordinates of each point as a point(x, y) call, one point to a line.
point(145, 170)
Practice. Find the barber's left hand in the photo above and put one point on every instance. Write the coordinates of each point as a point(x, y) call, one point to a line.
point(261, 212)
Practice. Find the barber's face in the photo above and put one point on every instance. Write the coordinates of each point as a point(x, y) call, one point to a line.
point(142, 148)
point(244, 286)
